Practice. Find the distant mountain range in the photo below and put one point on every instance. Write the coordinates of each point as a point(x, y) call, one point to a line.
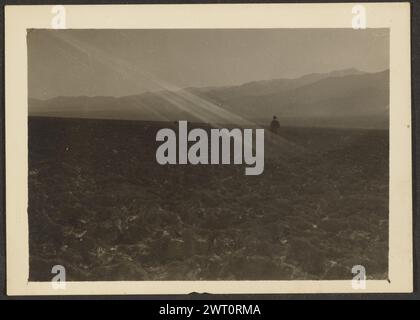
point(345, 98)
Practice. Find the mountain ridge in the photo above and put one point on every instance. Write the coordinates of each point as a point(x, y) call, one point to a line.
point(345, 94)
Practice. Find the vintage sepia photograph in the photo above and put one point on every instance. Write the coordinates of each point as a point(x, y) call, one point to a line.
point(103, 207)
point(223, 154)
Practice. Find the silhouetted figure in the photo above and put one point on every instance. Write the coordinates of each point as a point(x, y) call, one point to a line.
point(274, 125)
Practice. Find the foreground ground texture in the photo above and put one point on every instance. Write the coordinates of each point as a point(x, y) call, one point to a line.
point(101, 206)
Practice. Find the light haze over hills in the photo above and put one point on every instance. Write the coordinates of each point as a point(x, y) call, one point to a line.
point(118, 63)
point(343, 98)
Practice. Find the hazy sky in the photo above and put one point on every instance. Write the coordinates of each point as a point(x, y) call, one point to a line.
point(126, 62)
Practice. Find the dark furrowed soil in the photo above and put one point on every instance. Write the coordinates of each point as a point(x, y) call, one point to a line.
point(101, 206)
